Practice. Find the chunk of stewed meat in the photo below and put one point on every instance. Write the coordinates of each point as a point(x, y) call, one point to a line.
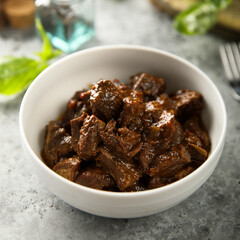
point(187, 103)
point(153, 111)
point(68, 167)
point(167, 130)
point(125, 174)
point(89, 139)
point(169, 163)
point(108, 136)
point(122, 141)
point(156, 182)
point(129, 142)
point(195, 126)
point(76, 125)
point(105, 100)
point(166, 102)
point(132, 115)
point(183, 172)
point(147, 154)
point(137, 186)
point(58, 144)
point(76, 106)
point(150, 85)
point(195, 148)
point(95, 177)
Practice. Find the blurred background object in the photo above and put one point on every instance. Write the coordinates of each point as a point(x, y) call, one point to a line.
point(68, 23)
point(228, 21)
point(18, 13)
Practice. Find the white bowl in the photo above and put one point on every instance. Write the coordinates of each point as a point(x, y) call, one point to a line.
point(47, 96)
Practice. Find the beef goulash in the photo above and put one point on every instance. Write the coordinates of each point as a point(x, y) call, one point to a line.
point(128, 137)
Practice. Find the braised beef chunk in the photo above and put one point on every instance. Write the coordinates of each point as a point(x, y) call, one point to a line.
point(195, 126)
point(183, 172)
point(130, 142)
point(132, 115)
point(153, 111)
point(195, 148)
point(169, 163)
point(89, 139)
point(126, 91)
point(76, 106)
point(137, 186)
point(121, 141)
point(76, 125)
point(125, 174)
point(58, 144)
point(105, 100)
point(147, 154)
point(150, 85)
point(156, 182)
point(128, 137)
point(108, 136)
point(167, 130)
point(68, 168)
point(166, 102)
point(95, 177)
point(187, 103)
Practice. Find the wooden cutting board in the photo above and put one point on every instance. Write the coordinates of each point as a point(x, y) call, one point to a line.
point(228, 24)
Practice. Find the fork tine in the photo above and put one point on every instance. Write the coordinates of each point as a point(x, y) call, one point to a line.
point(236, 53)
point(225, 62)
point(231, 58)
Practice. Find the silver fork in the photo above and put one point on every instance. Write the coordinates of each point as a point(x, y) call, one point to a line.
point(230, 55)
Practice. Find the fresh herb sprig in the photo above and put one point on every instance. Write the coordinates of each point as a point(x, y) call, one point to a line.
point(16, 73)
point(200, 17)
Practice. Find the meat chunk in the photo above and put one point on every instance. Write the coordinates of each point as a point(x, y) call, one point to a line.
point(105, 100)
point(137, 186)
point(195, 126)
point(169, 163)
point(58, 144)
point(125, 174)
point(167, 130)
point(95, 177)
point(153, 111)
point(108, 136)
point(76, 125)
point(150, 85)
point(147, 154)
point(122, 141)
point(166, 102)
point(129, 142)
point(187, 103)
point(68, 167)
point(132, 115)
point(183, 172)
point(156, 182)
point(89, 139)
point(195, 148)
point(76, 106)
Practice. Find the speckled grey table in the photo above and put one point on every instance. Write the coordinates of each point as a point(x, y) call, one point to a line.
point(29, 211)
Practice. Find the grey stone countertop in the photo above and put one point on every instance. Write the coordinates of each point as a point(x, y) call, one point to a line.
point(29, 211)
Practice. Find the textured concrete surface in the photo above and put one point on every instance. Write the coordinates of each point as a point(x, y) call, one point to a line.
point(29, 211)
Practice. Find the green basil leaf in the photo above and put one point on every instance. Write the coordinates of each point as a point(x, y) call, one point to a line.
point(199, 18)
point(16, 73)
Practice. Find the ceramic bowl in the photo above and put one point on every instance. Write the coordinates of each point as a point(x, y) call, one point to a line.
point(46, 98)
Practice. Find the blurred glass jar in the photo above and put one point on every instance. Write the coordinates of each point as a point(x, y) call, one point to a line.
point(68, 23)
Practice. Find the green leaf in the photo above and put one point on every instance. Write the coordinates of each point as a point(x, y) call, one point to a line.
point(220, 4)
point(16, 73)
point(47, 52)
point(199, 18)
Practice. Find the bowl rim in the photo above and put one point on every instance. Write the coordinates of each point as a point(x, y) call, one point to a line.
point(127, 195)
